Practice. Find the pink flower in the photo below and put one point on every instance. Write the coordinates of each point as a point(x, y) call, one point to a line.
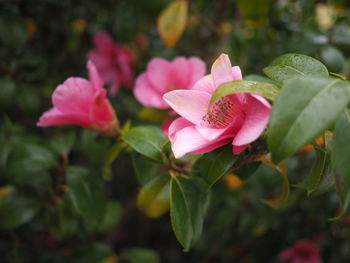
point(162, 76)
point(238, 118)
point(81, 102)
point(113, 61)
point(302, 252)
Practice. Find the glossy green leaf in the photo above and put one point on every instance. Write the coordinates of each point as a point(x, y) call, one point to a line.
point(266, 90)
point(305, 107)
point(154, 197)
point(145, 169)
point(18, 208)
point(213, 165)
point(152, 114)
point(188, 206)
point(260, 78)
point(113, 214)
point(141, 255)
point(341, 158)
point(146, 140)
point(289, 66)
point(87, 194)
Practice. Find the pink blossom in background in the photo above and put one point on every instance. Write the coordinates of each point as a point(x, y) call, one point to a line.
point(113, 61)
point(301, 252)
point(238, 118)
point(81, 102)
point(162, 76)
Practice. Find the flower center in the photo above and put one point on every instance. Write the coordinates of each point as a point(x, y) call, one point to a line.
point(222, 113)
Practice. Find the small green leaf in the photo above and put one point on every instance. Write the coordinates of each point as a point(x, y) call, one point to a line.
point(318, 171)
point(146, 140)
point(341, 159)
point(259, 78)
point(154, 196)
point(145, 169)
point(87, 195)
point(266, 90)
point(18, 208)
point(305, 107)
point(212, 166)
point(153, 115)
point(112, 216)
point(141, 255)
point(63, 144)
point(333, 58)
point(111, 156)
point(289, 66)
point(188, 206)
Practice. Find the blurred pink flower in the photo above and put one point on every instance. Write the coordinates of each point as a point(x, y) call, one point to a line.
point(113, 61)
point(238, 118)
point(162, 76)
point(301, 252)
point(81, 102)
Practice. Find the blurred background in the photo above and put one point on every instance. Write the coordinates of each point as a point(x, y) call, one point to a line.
point(43, 42)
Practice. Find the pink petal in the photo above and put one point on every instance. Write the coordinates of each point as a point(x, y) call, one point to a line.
point(190, 104)
point(236, 72)
point(94, 76)
point(158, 74)
point(166, 124)
point(205, 84)
point(179, 73)
point(54, 117)
point(102, 61)
point(221, 70)
point(147, 95)
point(286, 254)
point(239, 149)
point(103, 41)
point(101, 110)
point(188, 140)
point(197, 69)
point(176, 125)
point(257, 113)
point(74, 95)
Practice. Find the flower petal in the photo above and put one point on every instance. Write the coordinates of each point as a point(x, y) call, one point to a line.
point(205, 84)
point(239, 149)
point(158, 74)
point(101, 109)
point(54, 117)
point(221, 70)
point(74, 95)
point(197, 69)
point(237, 73)
point(179, 73)
point(147, 95)
point(190, 104)
point(257, 113)
point(94, 76)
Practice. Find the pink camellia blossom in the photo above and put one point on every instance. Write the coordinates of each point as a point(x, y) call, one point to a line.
point(238, 118)
point(114, 62)
point(82, 102)
point(301, 252)
point(162, 76)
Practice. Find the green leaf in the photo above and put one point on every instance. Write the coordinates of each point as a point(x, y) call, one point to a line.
point(266, 90)
point(87, 195)
point(333, 58)
point(153, 115)
point(154, 196)
point(7, 93)
point(141, 255)
point(318, 171)
point(259, 78)
point(305, 107)
point(188, 206)
point(63, 144)
point(289, 66)
point(18, 208)
point(145, 169)
point(111, 156)
point(341, 158)
point(113, 214)
point(213, 165)
point(254, 8)
point(146, 140)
